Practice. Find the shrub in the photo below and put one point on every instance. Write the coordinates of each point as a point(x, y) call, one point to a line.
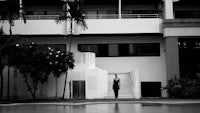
point(183, 87)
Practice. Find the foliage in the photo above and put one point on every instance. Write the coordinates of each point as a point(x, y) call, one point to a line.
point(173, 87)
point(2, 41)
point(60, 61)
point(191, 88)
point(35, 62)
point(31, 60)
point(5, 42)
point(73, 11)
point(11, 12)
point(183, 87)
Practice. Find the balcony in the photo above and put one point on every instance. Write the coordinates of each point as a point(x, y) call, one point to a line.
point(97, 24)
point(99, 16)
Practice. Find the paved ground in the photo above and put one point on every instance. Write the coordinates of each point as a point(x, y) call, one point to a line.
point(101, 101)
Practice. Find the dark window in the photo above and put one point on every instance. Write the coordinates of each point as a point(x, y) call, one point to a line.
point(101, 50)
point(140, 49)
point(30, 12)
point(148, 49)
point(117, 50)
point(45, 12)
point(123, 49)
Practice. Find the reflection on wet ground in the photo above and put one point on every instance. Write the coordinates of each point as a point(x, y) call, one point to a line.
point(103, 108)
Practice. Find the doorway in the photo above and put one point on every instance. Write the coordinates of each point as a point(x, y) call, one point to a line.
point(151, 89)
point(78, 89)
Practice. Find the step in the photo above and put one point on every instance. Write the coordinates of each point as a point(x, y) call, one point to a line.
point(125, 87)
point(120, 96)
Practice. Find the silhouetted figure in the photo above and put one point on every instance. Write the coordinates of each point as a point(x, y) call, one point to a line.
point(116, 86)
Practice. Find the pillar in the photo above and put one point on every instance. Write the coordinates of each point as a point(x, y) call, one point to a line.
point(172, 57)
point(168, 9)
point(120, 9)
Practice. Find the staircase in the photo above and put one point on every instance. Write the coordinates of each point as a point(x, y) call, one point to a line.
point(125, 86)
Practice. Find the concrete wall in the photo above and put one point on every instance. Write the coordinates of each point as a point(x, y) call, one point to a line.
point(95, 26)
point(151, 68)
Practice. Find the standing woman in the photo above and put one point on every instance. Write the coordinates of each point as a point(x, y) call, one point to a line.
point(116, 86)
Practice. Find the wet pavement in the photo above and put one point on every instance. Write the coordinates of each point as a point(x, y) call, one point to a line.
point(137, 106)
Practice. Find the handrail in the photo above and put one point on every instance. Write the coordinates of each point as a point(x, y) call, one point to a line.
point(116, 16)
point(40, 17)
point(99, 16)
point(140, 15)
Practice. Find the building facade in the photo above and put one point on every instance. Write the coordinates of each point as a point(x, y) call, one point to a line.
point(145, 42)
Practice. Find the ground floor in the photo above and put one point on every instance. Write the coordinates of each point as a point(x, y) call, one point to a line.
point(143, 62)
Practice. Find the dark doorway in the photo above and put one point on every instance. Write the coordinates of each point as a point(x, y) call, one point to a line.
point(78, 89)
point(151, 89)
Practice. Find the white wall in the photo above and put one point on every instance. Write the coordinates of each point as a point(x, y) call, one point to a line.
point(151, 68)
point(35, 27)
point(95, 26)
point(117, 26)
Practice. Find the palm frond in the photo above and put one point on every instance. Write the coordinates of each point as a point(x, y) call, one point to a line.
point(74, 12)
point(61, 18)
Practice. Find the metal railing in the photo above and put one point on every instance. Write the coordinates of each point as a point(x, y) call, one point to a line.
point(99, 16)
point(41, 17)
point(140, 16)
point(102, 16)
point(123, 16)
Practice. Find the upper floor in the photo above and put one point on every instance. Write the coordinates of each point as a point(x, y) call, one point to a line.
point(104, 16)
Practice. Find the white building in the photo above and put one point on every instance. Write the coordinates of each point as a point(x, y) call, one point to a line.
point(145, 42)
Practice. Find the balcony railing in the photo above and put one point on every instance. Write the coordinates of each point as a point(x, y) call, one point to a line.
point(140, 16)
point(41, 17)
point(116, 16)
point(100, 16)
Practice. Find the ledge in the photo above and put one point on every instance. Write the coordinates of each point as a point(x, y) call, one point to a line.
point(181, 23)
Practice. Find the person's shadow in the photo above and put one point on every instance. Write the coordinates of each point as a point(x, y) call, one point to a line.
point(116, 108)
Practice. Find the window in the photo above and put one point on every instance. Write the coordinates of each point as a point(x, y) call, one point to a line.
point(30, 12)
point(148, 49)
point(122, 50)
point(101, 50)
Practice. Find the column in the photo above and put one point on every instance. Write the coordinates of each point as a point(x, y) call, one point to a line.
point(120, 9)
point(172, 57)
point(168, 9)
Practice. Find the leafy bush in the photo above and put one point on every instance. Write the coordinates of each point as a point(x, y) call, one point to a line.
point(190, 87)
point(183, 87)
